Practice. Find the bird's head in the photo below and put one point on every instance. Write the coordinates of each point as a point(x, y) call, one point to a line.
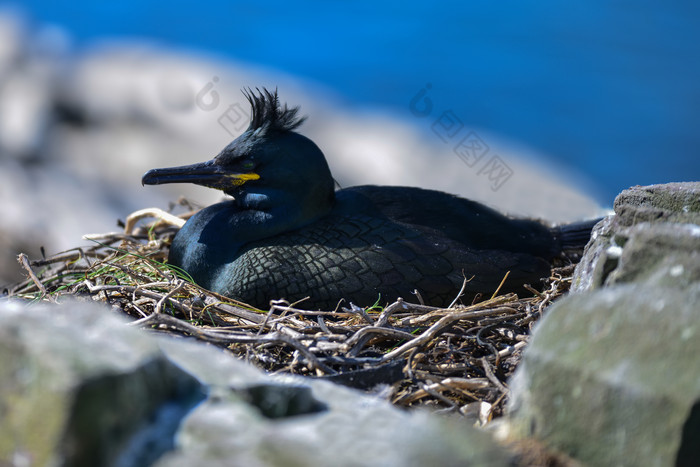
point(268, 168)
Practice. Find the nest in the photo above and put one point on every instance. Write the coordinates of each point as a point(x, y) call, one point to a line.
point(450, 359)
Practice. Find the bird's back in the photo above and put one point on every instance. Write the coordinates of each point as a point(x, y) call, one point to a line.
point(387, 242)
point(463, 220)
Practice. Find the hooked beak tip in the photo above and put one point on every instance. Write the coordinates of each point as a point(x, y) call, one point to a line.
point(147, 178)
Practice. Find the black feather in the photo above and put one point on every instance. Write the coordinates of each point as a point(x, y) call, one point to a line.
point(267, 115)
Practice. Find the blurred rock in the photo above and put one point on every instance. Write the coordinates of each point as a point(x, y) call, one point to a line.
point(11, 38)
point(611, 377)
point(329, 424)
point(78, 387)
point(30, 65)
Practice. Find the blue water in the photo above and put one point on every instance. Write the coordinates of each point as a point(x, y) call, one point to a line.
point(607, 89)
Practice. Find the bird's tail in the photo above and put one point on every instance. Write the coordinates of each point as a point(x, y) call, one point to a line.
point(576, 235)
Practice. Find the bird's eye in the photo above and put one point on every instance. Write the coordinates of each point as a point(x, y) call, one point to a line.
point(248, 165)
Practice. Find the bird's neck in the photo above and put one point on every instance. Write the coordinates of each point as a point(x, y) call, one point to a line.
point(270, 213)
point(251, 225)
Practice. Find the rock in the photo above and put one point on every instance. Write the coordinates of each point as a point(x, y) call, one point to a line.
point(665, 254)
point(670, 202)
point(595, 263)
point(611, 377)
point(654, 236)
point(78, 387)
point(254, 419)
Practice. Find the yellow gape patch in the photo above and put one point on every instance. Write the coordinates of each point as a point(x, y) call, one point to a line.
point(240, 179)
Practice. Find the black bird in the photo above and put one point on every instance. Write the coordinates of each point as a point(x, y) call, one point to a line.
point(287, 234)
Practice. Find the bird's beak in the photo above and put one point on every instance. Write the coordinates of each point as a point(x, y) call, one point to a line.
point(209, 174)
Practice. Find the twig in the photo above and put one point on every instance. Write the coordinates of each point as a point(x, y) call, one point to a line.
point(461, 291)
point(500, 285)
point(433, 330)
point(24, 261)
point(361, 312)
point(390, 310)
point(491, 376)
point(229, 338)
point(168, 296)
point(134, 217)
point(357, 341)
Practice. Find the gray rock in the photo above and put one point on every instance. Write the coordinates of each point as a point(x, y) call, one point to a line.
point(596, 263)
point(669, 202)
point(78, 387)
point(611, 377)
point(257, 420)
point(653, 236)
point(665, 254)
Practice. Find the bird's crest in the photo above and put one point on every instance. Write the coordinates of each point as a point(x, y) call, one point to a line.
point(267, 114)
